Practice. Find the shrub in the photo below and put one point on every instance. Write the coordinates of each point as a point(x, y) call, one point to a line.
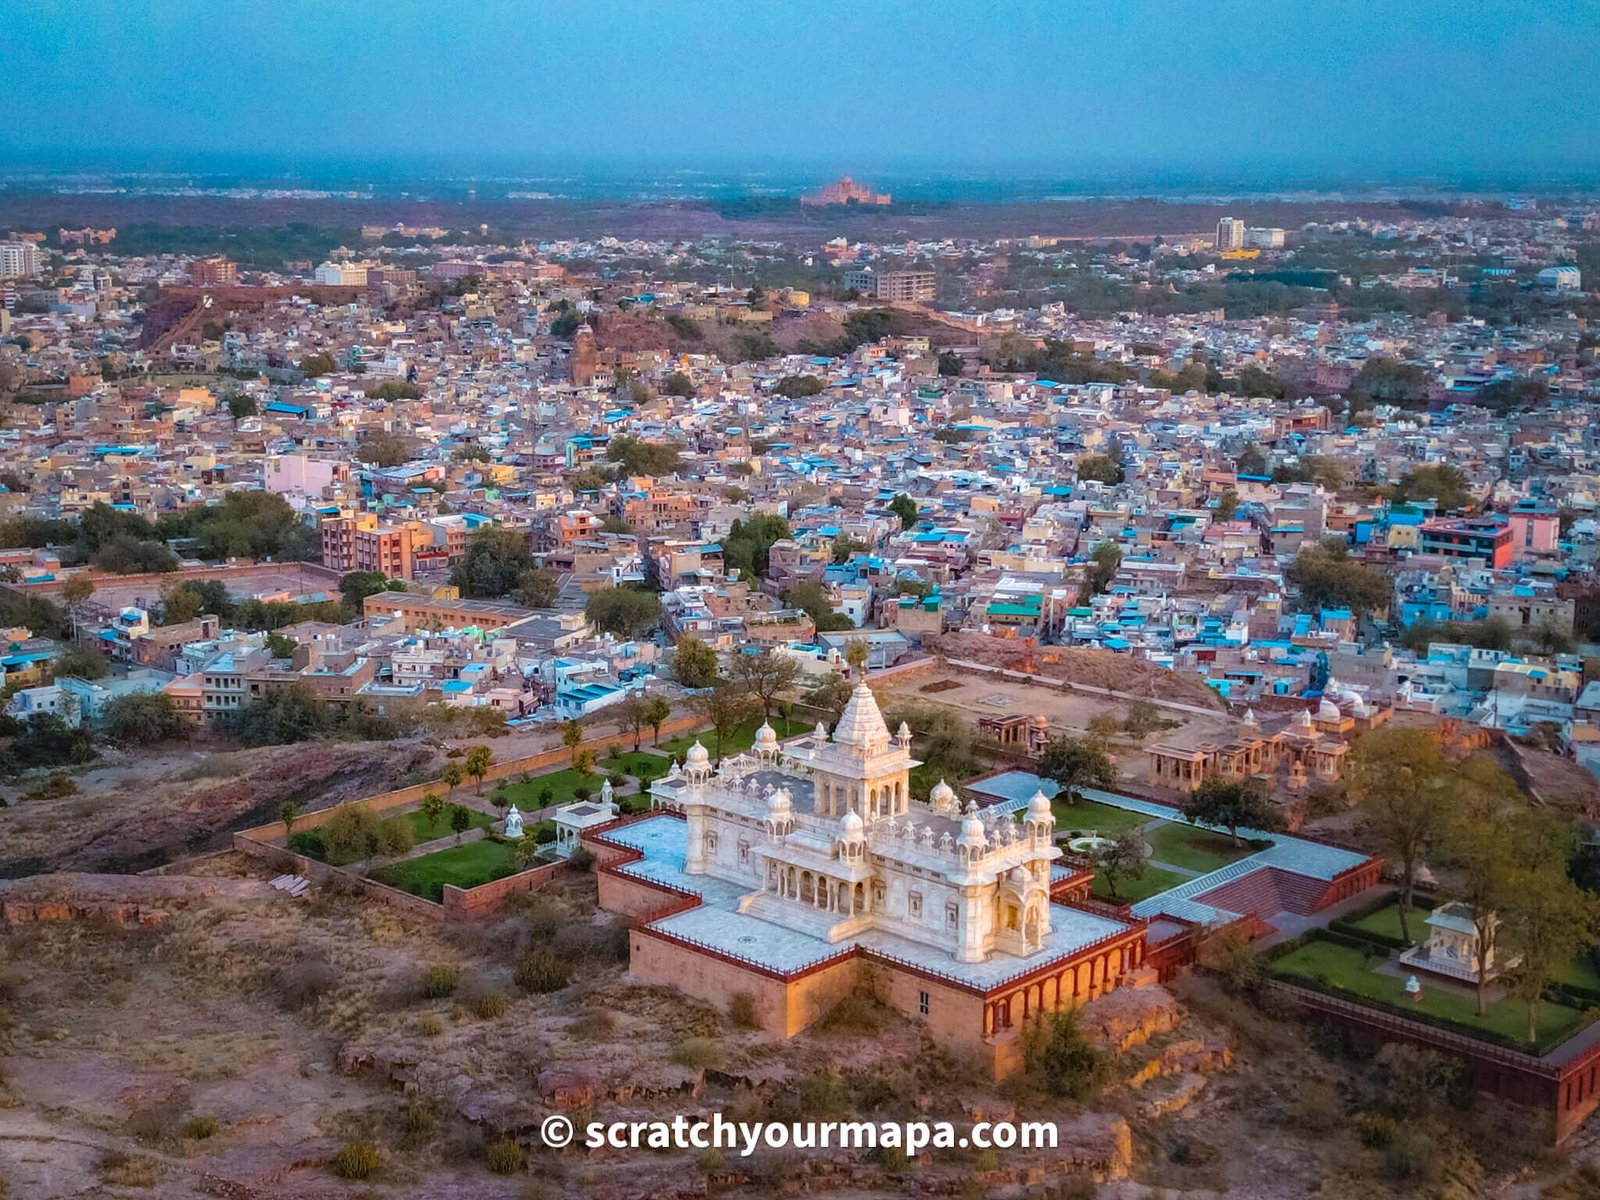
point(119, 1169)
point(357, 1160)
point(505, 1157)
point(55, 787)
point(696, 1053)
point(580, 860)
point(1412, 1156)
point(1067, 1062)
point(430, 1025)
point(540, 971)
point(485, 1002)
point(303, 982)
point(200, 1128)
point(416, 1124)
point(1375, 1130)
point(823, 1094)
point(310, 844)
point(439, 981)
point(742, 1011)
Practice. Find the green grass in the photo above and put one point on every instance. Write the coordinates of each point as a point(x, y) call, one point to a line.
point(924, 777)
point(1346, 969)
point(465, 866)
point(630, 762)
point(1185, 845)
point(740, 739)
point(1581, 972)
point(1153, 882)
point(1386, 921)
point(563, 785)
point(1085, 815)
point(422, 830)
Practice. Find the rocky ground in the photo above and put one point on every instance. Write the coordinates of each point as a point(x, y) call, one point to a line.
point(236, 1046)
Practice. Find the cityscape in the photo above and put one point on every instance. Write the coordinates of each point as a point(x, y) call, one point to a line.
point(1063, 663)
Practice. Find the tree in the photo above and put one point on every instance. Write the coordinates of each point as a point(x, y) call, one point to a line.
point(623, 611)
point(811, 598)
point(143, 719)
point(280, 646)
point(572, 739)
point(1401, 783)
point(792, 387)
point(632, 713)
point(242, 405)
point(350, 833)
point(904, 507)
point(949, 363)
point(75, 593)
point(725, 707)
point(678, 384)
point(1546, 921)
point(382, 449)
point(1388, 381)
point(478, 760)
point(1233, 804)
point(1141, 719)
point(1252, 460)
point(1327, 577)
point(1100, 468)
point(288, 813)
point(656, 713)
point(128, 555)
point(536, 588)
point(452, 776)
point(1227, 505)
point(81, 662)
point(1442, 483)
point(1077, 763)
point(284, 715)
point(856, 653)
point(1104, 563)
point(1125, 858)
point(748, 544)
point(356, 586)
point(313, 365)
point(643, 458)
point(494, 562)
point(694, 663)
point(765, 675)
point(432, 807)
point(460, 820)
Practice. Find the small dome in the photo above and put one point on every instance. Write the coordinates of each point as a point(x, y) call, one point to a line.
point(942, 797)
point(1304, 719)
point(1328, 710)
point(1358, 708)
point(766, 737)
point(904, 732)
point(1039, 807)
point(850, 828)
point(972, 832)
point(778, 803)
point(820, 733)
point(698, 757)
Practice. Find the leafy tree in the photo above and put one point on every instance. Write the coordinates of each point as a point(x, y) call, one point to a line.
point(288, 813)
point(460, 820)
point(1077, 763)
point(793, 387)
point(477, 763)
point(1101, 468)
point(725, 707)
point(143, 719)
point(656, 713)
point(1546, 921)
point(766, 675)
point(1068, 1063)
point(632, 713)
point(452, 776)
point(1227, 505)
point(75, 593)
point(313, 365)
point(242, 405)
point(1401, 782)
point(1104, 563)
point(678, 384)
point(1251, 461)
point(748, 542)
point(1327, 577)
point(949, 363)
point(623, 611)
point(856, 653)
point(279, 646)
point(283, 716)
point(394, 389)
point(1125, 858)
point(643, 458)
point(1141, 719)
point(536, 588)
point(252, 524)
point(494, 562)
point(1388, 381)
point(350, 833)
point(356, 586)
point(81, 662)
point(904, 507)
point(46, 741)
point(1443, 483)
point(572, 739)
point(694, 663)
point(382, 448)
point(1233, 804)
point(127, 555)
point(811, 598)
point(432, 807)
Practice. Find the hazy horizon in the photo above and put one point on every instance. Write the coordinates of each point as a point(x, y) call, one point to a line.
point(1281, 95)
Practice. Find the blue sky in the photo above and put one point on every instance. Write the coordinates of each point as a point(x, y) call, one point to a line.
point(1413, 86)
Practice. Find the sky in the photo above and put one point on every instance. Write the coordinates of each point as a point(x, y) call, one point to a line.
point(1408, 86)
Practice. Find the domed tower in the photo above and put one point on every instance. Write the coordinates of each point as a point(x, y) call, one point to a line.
point(766, 744)
point(852, 838)
point(863, 769)
point(942, 798)
point(697, 763)
point(780, 812)
point(974, 838)
point(1039, 821)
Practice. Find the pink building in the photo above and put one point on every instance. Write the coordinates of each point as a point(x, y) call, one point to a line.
point(1534, 534)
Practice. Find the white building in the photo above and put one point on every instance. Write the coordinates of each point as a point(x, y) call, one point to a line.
point(1230, 234)
point(1563, 281)
point(19, 260)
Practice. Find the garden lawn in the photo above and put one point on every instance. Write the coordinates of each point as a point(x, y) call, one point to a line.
point(1386, 921)
point(465, 866)
point(1345, 969)
point(1185, 845)
point(630, 762)
point(562, 784)
point(1089, 815)
point(924, 777)
point(741, 738)
point(423, 830)
point(1581, 972)
point(1153, 882)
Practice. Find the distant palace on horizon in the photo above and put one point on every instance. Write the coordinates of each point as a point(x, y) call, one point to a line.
point(845, 191)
